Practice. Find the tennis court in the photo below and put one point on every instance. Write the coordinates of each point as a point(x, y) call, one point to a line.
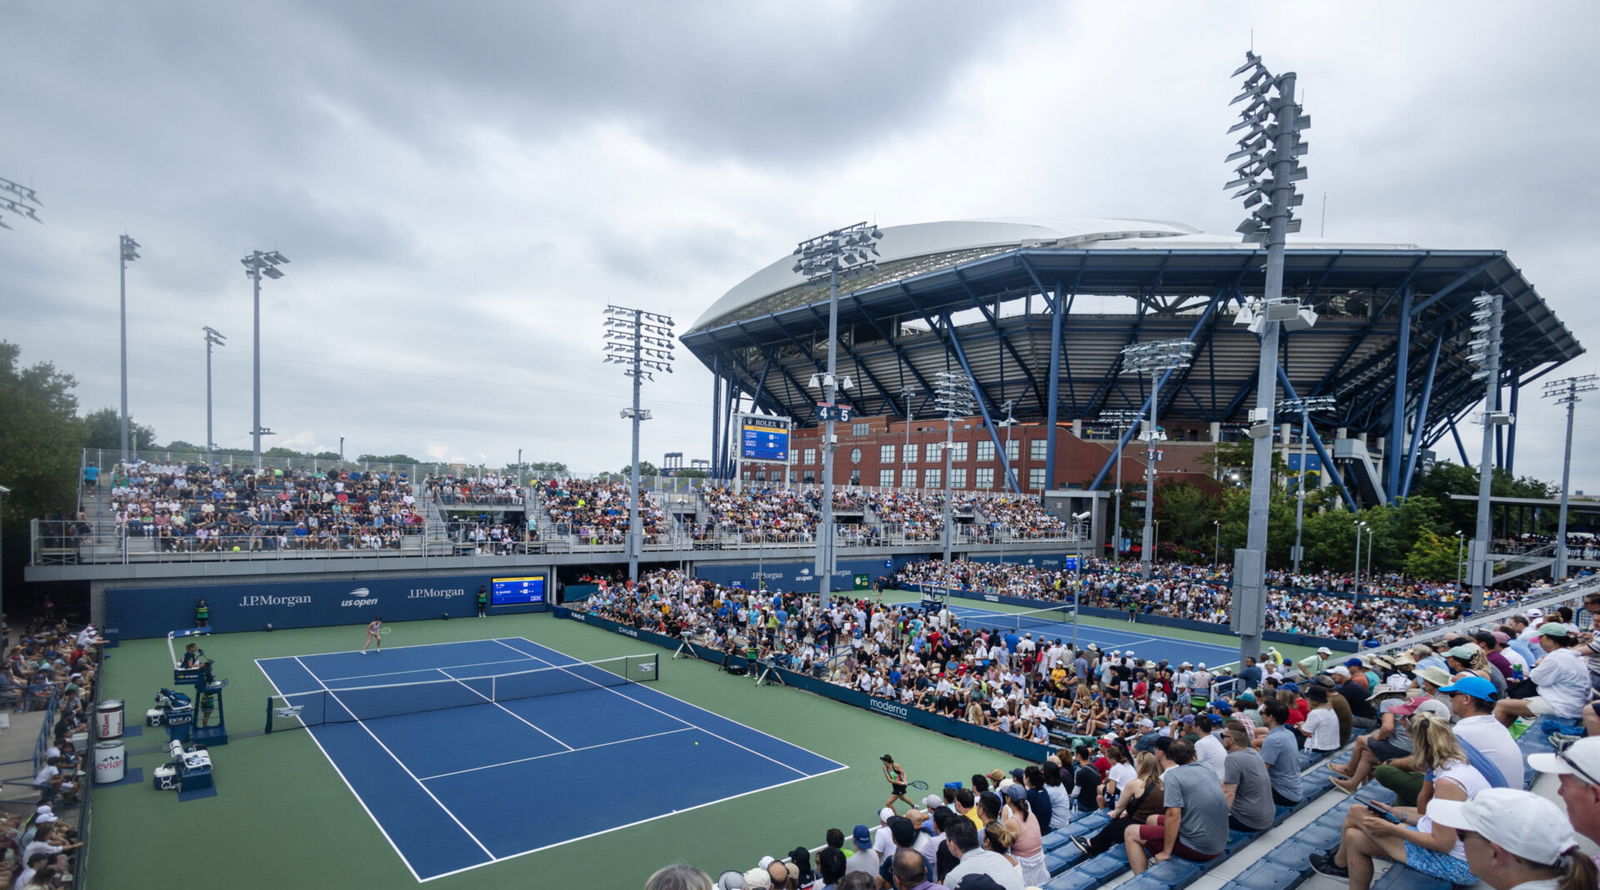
point(469, 753)
point(1057, 623)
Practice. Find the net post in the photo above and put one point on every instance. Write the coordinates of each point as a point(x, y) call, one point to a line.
point(268, 730)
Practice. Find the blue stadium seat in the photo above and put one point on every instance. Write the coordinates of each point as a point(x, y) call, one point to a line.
point(1398, 877)
point(1093, 872)
point(1266, 875)
point(1059, 860)
point(1174, 874)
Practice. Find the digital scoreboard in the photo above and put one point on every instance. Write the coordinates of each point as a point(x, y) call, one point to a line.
point(764, 439)
point(517, 591)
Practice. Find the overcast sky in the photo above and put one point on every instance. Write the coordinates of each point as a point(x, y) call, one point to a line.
point(462, 188)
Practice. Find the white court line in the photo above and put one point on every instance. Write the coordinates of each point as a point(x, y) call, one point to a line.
point(399, 763)
point(448, 667)
point(474, 769)
point(584, 837)
point(343, 778)
point(1093, 630)
point(708, 732)
point(502, 707)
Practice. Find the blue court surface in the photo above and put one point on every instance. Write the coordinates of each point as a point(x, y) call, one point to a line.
point(1136, 637)
point(468, 786)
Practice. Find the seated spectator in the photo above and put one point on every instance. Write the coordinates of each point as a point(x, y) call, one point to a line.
point(1138, 799)
point(831, 860)
point(1376, 831)
point(1194, 823)
point(1487, 744)
point(1321, 726)
point(1390, 745)
point(962, 839)
point(678, 877)
point(865, 859)
point(1246, 785)
point(1517, 839)
point(909, 871)
point(1281, 755)
point(1562, 678)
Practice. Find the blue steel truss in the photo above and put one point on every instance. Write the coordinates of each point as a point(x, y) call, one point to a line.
point(1390, 346)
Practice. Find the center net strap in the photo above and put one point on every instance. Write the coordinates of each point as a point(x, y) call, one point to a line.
point(351, 703)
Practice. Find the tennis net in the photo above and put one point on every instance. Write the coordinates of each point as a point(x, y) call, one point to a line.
point(346, 704)
point(1050, 618)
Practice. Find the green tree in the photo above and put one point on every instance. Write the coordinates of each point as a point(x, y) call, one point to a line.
point(1433, 556)
point(388, 459)
point(692, 473)
point(41, 440)
point(646, 468)
point(1186, 513)
point(545, 469)
point(105, 431)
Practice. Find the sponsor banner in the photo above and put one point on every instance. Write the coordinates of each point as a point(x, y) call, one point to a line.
point(884, 707)
point(1051, 561)
point(139, 612)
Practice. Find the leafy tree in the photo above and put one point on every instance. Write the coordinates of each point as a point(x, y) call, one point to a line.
point(1433, 556)
point(693, 473)
point(1186, 513)
point(105, 431)
point(41, 440)
point(543, 469)
point(388, 459)
point(646, 468)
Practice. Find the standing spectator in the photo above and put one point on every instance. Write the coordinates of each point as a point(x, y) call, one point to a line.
point(1281, 755)
point(1194, 824)
point(202, 614)
point(1246, 785)
point(1561, 676)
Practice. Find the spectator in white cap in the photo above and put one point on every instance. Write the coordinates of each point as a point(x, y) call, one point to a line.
point(1562, 678)
point(1517, 839)
point(1579, 769)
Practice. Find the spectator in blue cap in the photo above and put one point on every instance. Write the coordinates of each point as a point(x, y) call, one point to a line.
point(866, 859)
point(1472, 701)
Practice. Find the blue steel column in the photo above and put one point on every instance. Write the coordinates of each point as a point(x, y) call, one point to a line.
point(1394, 448)
point(1316, 442)
point(1511, 434)
point(716, 417)
point(1050, 415)
point(1422, 419)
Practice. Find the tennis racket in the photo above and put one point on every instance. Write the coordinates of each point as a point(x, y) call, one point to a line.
point(384, 631)
point(918, 784)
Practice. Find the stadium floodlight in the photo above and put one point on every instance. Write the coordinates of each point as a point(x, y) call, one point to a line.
point(1121, 421)
point(641, 342)
point(1271, 167)
point(129, 251)
point(214, 338)
point(1305, 406)
point(953, 395)
point(20, 200)
point(256, 264)
point(1156, 358)
point(1484, 352)
point(848, 251)
point(1565, 392)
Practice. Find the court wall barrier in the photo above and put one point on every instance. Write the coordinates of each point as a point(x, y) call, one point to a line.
point(1156, 620)
point(140, 612)
point(892, 710)
point(800, 576)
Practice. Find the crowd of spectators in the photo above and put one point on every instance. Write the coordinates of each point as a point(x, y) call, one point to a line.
point(1188, 767)
point(1327, 605)
point(490, 533)
point(596, 512)
point(766, 513)
point(213, 507)
point(48, 661)
point(489, 488)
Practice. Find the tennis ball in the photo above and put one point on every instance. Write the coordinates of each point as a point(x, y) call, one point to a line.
point(697, 744)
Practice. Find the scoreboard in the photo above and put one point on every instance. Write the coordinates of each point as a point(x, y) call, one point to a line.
point(517, 591)
point(764, 439)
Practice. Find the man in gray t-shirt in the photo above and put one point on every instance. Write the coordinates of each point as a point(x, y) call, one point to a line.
point(1194, 824)
point(1281, 755)
point(1246, 785)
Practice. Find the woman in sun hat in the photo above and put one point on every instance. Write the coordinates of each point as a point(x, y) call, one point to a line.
point(1517, 839)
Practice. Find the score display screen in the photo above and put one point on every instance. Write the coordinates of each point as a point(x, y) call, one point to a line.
point(764, 440)
point(517, 591)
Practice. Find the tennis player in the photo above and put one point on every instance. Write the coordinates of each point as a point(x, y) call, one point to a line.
point(896, 777)
point(374, 635)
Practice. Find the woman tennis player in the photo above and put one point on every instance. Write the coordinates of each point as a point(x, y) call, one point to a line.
point(374, 635)
point(896, 777)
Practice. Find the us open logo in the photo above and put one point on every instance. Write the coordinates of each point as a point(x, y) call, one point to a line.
point(359, 598)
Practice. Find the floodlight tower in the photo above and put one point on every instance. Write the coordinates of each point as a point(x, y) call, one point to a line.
point(953, 395)
point(1483, 350)
point(1565, 392)
point(1270, 152)
point(215, 337)
point(129, 253)
point(22, 201)
point(257, 264)
point(641, 342)
point(1304, 406)
point(1121, 421)
point(1153, 357)
point(847, 251)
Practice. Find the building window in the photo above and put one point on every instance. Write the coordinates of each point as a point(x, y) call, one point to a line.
point(855, 477)
point(935, 452)
point(1036, 478)
point(885, 454)
point(886, 478)
point(761, 475)
point(809, 477)
point(855, 455)
point(1036, 449)
point(933, 478)
point(958, 477)
point(810, 456)
point(911, 452)
point(984, 477)
point(985, 452)
point(1013, 448)
point(908, 478)
point(860, 429)
point(958, 451)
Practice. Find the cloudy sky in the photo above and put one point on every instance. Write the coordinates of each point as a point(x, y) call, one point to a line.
point(462, 188)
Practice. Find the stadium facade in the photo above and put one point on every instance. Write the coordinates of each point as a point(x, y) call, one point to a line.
point(1037, 313)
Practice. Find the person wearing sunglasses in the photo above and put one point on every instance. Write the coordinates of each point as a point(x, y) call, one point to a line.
point(1579, 769)
point(1517, 839)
